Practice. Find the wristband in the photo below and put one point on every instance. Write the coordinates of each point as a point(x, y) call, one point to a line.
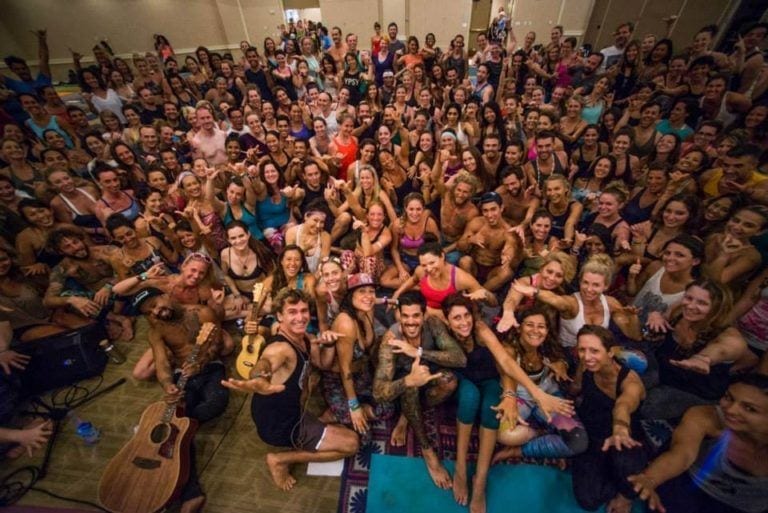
point(108, 286)
point(509, 393)
point(353, 404)
point(143, 276)
point(621, 423)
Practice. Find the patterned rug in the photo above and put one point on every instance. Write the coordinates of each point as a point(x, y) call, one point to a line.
point(440, 426)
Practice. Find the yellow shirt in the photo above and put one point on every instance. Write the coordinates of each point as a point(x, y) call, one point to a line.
point(712, 187)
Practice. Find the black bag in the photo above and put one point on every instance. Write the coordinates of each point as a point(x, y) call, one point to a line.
point(62, 359)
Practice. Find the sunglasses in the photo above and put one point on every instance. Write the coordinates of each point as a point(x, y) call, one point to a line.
point(199, 257)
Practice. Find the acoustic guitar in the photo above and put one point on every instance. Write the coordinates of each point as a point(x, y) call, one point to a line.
point(251, 344)
point(150, 470)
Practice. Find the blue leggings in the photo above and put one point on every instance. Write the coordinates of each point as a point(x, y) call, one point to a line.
point(477, 398)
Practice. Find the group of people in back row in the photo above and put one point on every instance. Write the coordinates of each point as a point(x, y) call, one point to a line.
point(563, 244)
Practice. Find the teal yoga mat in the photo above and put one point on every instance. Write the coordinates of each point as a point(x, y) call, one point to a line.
point(401, 484)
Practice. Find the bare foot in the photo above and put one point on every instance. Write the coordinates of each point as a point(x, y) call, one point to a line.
point(477, 505)
point(460, 491)
point(280, 472)
point(397, 439)
point(619, 504)
point(193, 505)
point(437, 472)
point(507, 453)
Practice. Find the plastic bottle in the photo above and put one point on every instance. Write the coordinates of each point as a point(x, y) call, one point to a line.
point(114, 354)
point(84, 429)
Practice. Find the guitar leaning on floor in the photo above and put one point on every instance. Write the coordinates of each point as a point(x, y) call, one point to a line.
point(251, 344)
point(151, 469)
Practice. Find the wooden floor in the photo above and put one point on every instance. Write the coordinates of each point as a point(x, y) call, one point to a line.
point(230, 455)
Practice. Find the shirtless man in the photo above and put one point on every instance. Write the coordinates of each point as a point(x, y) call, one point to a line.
point(401, 375)
point(519, 202)
point(190, 289)
point(173, 330)
point(280, 383)
point(83, 282)
point(208, 142)
point(339, 49)
point(490, 250)
point(456, 210)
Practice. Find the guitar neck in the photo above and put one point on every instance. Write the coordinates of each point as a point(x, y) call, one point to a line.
point(255, 314)
point(181, 384)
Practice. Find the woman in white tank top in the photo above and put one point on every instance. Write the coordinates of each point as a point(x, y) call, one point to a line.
point(661, 284)
point(589, 305)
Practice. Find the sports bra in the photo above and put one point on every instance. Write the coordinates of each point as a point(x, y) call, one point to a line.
point(408, 243)
point(436, 297)
point(257, 271)
point(130, 213)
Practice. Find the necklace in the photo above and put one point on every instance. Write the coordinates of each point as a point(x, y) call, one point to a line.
point(243, 262)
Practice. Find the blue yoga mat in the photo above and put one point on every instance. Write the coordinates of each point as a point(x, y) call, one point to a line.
point(399, 484)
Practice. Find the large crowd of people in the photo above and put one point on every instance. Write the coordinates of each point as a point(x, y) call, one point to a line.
point(563, 242)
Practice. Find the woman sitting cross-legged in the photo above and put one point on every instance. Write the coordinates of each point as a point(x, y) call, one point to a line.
point(543, 360)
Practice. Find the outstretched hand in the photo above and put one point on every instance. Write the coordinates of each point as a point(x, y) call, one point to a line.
point(253, 386)
point(645, 488)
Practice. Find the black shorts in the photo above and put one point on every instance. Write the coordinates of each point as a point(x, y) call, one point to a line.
point(305, 434)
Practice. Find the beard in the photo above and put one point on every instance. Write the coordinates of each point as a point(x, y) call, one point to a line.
point(86, 254)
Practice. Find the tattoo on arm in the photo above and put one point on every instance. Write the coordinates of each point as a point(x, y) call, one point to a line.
point(449, 353)
point(384, 387)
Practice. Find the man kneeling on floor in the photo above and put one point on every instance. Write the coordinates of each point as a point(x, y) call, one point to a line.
point(280, 381)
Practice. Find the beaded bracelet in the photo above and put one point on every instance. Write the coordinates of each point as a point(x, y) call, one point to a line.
point(353, 404)
point(509, 393)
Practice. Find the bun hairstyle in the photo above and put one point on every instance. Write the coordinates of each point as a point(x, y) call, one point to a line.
point(618, 189)
point(601, 264)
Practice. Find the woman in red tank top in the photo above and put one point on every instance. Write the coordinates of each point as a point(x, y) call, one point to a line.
point(344, 145)
point(438, 279)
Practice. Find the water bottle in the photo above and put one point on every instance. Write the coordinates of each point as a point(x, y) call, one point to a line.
point(112, 352)
point(85, 430)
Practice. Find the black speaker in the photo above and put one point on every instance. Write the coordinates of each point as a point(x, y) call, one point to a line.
point(62, 359)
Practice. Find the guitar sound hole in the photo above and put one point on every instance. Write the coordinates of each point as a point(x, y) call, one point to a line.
point(249, 348)
point(159, 433)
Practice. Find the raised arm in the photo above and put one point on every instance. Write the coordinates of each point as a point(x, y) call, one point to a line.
point(697, 424)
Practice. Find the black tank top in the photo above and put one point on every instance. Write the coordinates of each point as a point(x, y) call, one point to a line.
point(480, 364)
point(556, 170)
point(277, 415)
point(633, 213)
point(558, 221)
point(596, 408)
point(710, 386)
